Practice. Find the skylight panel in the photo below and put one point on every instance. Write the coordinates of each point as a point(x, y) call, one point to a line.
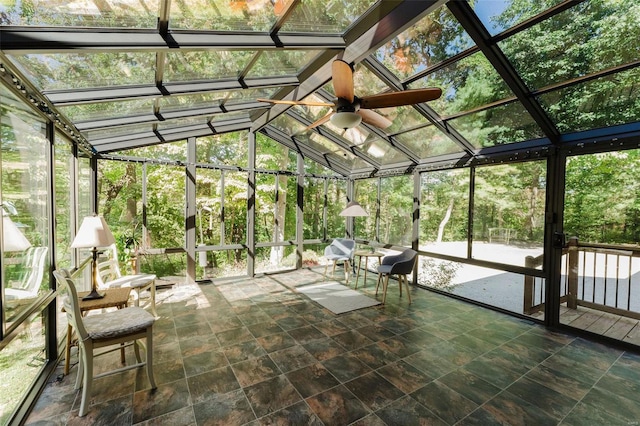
point(431, 40)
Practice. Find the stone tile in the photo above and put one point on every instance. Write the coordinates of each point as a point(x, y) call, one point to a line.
point(443, 401)
point(271, 395)
point(113, 412)
point(205, 361)
point(255, 370)
point(374, 390)
point(266, 328)
point(205, 386)
point(548, 400)
point(182, 417)
point(243, 351)
point(276, 342)
point(346, 367)
point(224, 409)
point(352, 340)
point(324, 349)
point(292, 358)
point(337, 406)
point(151, 403)
point(312, 379)
point(408, 412)
point(234, 336)
point(306, 334)
point(470, 386)
point(614, 404)
point(509, 409)
point(404, 376)
point(375, 332)
point(399, 346)
point(331, 327)
point(198, 345)
point(588, 415)
point(374, 356)
point(297, 414)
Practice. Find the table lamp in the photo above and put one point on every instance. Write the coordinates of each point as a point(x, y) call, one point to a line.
point(12, 238)
point(93, 233)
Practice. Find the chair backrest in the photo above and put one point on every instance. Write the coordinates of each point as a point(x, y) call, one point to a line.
point(69, 296)
point(108, 266)
point(341, 246)
point(403, 263)
point(34, 263)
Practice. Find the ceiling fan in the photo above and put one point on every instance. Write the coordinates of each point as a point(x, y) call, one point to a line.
point(349, 110)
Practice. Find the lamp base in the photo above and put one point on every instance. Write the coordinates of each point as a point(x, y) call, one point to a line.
point(93, 295)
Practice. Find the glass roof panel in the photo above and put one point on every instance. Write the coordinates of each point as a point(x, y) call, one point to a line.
point(436, 37)
point(500, 15)
point(111, 132)
point(402, 118)
point(181, 122)
point(607, 101)
point(205, 65)
point(287, 124)
point(428, 142)
point(81, 70)
point(381, 151)
point(466, 84)
point(587, 38)
point(281, 62)
point(81, 13)
point(499, 125)
point(365, 82)
point(321, 16)
point(224, 15)
point(106, 110)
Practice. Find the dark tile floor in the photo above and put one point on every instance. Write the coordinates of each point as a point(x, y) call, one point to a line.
point(253, 351)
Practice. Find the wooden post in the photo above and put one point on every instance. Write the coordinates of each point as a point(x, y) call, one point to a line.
point(528, 286)
point(572, 271)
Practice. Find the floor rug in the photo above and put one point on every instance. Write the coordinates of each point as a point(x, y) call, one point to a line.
point(336, 297)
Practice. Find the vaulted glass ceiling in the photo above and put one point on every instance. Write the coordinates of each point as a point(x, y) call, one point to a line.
point(118, 75)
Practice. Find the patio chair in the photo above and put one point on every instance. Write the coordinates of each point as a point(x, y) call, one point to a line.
point(28, 287)
point(340, 250)
point(401, 265)
point(107, 329)
point(109, 276)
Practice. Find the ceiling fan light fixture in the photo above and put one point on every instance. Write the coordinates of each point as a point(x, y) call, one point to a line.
point(346, 120)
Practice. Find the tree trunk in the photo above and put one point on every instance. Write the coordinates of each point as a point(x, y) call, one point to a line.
point(444, 221)
point(277, 253)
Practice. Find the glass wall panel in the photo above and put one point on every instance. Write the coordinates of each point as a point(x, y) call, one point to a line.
point(444, 211)
point(228, 263)
point(120, 202)
point(229, 149)
point(336, 202)
point(265, 208)
point(25, 206)
point(165, 206)
point(84, 188)
point(209, 208)
point(267, 262)
point(65, 211)
point(21, 361)
point(508, 212)
point(174, 151)
point(169, 267)
point(313, 209)
point(396, 209)
point(271, 155)
point(290, 206)
point(366, 193)
point(235, 207)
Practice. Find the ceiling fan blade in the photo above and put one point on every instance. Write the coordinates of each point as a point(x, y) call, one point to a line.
point(319, 121)
point(342, 76)
point(373, 118)
point(308, 103)
point(406, 97)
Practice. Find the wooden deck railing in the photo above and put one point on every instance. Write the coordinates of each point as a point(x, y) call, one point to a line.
point(597, 276)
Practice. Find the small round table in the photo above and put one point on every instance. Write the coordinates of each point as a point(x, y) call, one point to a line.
point(366, 254)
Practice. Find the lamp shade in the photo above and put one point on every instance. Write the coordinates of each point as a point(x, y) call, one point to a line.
point(94, 232)
point(12, 238)
point(346, 119)
point(353, 209)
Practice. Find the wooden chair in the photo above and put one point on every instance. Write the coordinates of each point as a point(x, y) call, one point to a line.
point(109, 276)
point(97, 331)
point(35, 262)
point(340, 249)
point(401, 265)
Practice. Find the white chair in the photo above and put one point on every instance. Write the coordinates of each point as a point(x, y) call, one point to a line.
point(107, 329)
point(340, 250)
point(109, 276)
point(28, 287)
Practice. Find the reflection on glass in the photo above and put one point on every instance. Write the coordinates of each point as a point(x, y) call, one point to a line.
point(603, 102)
point(381, 152)
point(586, 38)
point(64, 210)
point(444, 212)
point(366, 193)
point(402, 118)
point(508, 215)
point(112, 132)
point(81, 70)
point(428, 142)
point(281, 62)
point(225, 15)
point(103, 13)
point(466, 84)
point(500, 15)
point(205, 65)
point(174, 151)
point(365, 82)
point(320, 16)
point(499, 125)
point(431, 40)
point(107, 110)
point(25, 216)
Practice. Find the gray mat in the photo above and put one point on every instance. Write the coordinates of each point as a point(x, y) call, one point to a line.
point(336, 297)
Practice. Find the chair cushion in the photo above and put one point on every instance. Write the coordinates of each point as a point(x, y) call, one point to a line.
point(117, 323)
point(384, 269)
point(133, 281)
point(337, 257)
